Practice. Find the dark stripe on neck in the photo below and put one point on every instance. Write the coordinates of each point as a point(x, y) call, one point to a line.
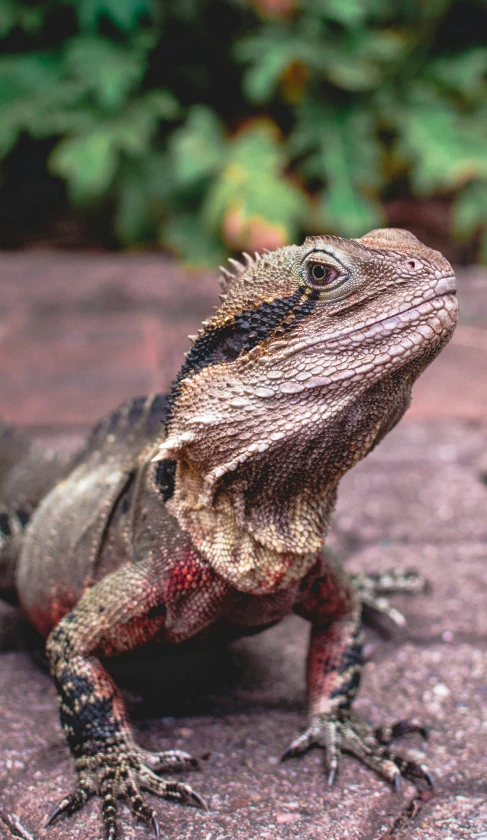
point(165, 478)
point(249, 328)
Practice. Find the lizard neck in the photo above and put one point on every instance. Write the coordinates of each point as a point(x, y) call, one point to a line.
point(261, 526)
point(258, 546)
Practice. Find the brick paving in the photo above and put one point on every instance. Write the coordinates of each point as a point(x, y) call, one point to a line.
point(78, 334)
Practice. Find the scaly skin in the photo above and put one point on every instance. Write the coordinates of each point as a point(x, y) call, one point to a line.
point(214, 519)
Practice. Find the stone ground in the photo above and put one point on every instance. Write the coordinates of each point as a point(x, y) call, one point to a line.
point(80, 333)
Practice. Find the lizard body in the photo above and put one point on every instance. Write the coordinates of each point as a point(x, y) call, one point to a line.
point(208, 510)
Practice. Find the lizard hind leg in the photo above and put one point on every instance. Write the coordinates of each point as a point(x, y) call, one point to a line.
point(112, 616)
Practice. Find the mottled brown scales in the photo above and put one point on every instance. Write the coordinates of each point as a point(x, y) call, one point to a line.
point(205, 512)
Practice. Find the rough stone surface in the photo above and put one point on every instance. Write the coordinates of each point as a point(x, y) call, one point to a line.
point(79, 334)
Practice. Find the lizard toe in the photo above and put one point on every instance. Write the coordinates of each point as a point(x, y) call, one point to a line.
point(352, 735)
point(416, 773)
point(109, 813)
point(69, 804)
point(177, 791)
point(299, 746)
point(169, 761)
point(372, 748)
point(385, 734)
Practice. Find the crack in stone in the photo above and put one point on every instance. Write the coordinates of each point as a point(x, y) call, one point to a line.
point(408, 813)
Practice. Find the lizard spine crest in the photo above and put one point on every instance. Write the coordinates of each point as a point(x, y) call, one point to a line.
point(229, 276)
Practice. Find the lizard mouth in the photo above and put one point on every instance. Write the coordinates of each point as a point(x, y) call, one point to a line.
point(369, 330)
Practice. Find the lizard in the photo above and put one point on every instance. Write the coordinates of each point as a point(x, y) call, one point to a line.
point(206, 510)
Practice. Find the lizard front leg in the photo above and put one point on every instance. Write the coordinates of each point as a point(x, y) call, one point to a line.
point(120, 613)
point(334, 669)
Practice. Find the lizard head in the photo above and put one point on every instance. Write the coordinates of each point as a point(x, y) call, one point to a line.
point(300, 335)
point(306, 364)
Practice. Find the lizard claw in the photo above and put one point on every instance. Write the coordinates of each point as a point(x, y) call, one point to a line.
point(197, 800)
point(73, 802)
point(55, 813)
point(299, 746)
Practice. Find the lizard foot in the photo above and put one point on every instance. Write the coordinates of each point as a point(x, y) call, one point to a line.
point(122, 773)
point(373, 589)
point(349, 734)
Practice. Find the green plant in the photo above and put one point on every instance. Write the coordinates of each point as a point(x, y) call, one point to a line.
point(213, 124)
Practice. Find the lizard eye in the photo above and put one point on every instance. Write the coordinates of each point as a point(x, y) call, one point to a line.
point(320, 275)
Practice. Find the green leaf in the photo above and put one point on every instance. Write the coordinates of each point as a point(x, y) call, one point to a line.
point(141, 188)
point(470, 210)
point(351, 213)
point(30, 84)
point(8, 17)
point(346, 12)
point(88, 163)
point(464, 72)
point(133, 218)
point(252, 192)
point(26, 75)
point(107, 69)
point(270, 52)
point(138, 121)
point(197, 148)
point(352, 60)
point(446, 147)
point(125, 14)
point(185, 234)
point(262, 78)
point(360, 60)
point(470, 216)
point(89, 160)
point(350, 13)
point(12, 14)
point(322, 129)
point(344, 152)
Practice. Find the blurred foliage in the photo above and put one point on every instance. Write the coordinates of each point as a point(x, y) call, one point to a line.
point(204, 125)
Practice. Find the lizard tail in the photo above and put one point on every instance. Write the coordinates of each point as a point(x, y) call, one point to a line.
point(28, 470)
